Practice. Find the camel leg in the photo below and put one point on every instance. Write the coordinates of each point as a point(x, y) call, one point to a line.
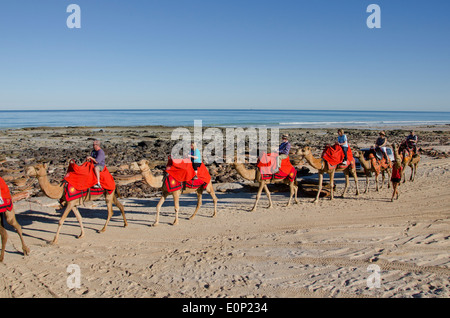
point(258, 195)
point(355, 177)
point(199, 202)
point(266, 189)
point(376, 182)
point(176, 203)
point(388, 178)
point(332, 186)
point(413, 171)
point(403, 174)
point(291, 194)
point(158, 207)
point(61, 221)
point(80, 221)
point(296, 191)
point(109, 203)
point(4, 236)
point(382, 179)
point(121, 208)
point(11, 219)
point(320, 188)
point(214, 197)
point(367, 183)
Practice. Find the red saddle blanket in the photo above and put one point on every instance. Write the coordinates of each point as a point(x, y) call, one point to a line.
point(173, 185)
point(334, 155)
point(281, 175)
point(182, 171)
point(6, 196)
point(71, 193)
point(267, 164)
point(83, 177)
point(379, 163)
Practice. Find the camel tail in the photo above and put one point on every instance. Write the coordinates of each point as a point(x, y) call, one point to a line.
point(118, 194)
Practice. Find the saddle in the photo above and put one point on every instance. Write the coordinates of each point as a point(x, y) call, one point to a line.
point(82, 177)
point(71, 193)
point(179, 175)
point(267, 165)
point(173, 185)
point(334, 156)
point(6, 196)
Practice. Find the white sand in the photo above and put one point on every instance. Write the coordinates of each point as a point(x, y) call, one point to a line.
point(305, 250)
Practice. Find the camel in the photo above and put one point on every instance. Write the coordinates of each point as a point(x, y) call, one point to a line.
point(11, 219)
point(374, 166)
point(255, 175)
point(322, 167)
point(57, 192)
point(157, 182)
point(410, 159)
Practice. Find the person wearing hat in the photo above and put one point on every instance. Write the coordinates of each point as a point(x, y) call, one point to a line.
point(283, 150)
point(381, 143)
point(411, 141)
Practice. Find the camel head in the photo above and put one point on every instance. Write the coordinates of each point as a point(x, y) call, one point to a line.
point(304, 151)
point(357, 153)
point(398, 157)
point(296, 159)
point(143, 165)
point(39, 170)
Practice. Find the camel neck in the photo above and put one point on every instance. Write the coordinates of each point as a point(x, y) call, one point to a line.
point(151, 179)
point(316, 163)
point(244, 172)
point(50, 190)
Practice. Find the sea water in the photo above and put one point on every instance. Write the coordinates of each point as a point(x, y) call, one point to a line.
point(219, 118)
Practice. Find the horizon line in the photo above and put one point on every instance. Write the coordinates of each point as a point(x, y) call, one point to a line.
point(217, 109)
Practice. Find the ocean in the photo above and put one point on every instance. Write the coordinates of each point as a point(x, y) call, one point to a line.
point(219, 118)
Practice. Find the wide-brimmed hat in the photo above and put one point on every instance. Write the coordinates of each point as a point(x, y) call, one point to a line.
point(285, 136)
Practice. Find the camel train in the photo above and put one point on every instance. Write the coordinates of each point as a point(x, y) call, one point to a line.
point(71, 198)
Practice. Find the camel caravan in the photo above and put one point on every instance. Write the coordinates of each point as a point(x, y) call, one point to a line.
point(92, 181)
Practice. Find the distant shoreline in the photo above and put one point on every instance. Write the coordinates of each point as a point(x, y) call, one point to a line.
point(281, 119)
point(405, 127)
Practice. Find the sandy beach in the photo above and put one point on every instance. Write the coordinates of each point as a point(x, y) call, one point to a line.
point(325, 250)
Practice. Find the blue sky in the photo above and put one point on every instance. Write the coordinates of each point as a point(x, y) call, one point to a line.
point(225, 54)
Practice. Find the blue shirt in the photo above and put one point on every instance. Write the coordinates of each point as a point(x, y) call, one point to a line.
point(197, 154)
point(284, 148)
point(343, 139)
